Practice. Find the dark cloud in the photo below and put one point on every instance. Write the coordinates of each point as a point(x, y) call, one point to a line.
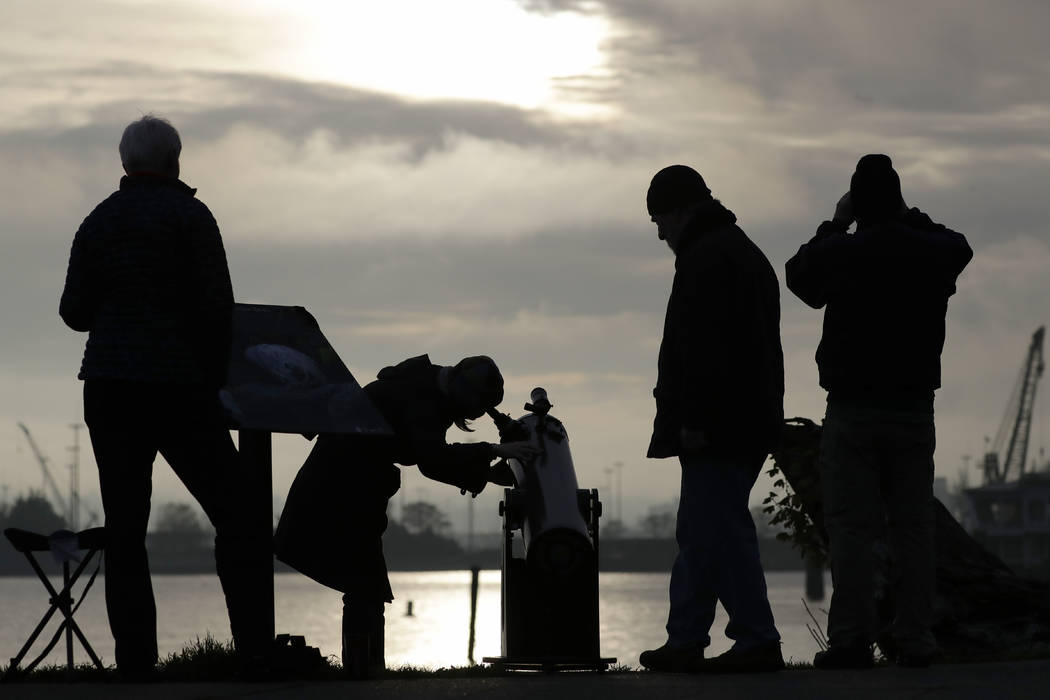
point(931, 56)
point(377, 283)
point(208, 104)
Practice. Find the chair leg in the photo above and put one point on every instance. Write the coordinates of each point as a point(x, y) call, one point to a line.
point(17, 659)
point(60, 601)
point(73, 628)
point(13, 668)
point(66, 601)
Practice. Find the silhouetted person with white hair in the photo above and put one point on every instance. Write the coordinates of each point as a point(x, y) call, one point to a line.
point(149, 283)
point(885, 290)
point(719, 411)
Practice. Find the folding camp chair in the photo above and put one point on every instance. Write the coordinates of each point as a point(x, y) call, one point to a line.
point(66, 546)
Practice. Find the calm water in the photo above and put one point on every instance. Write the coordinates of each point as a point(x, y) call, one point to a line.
point(633, 611)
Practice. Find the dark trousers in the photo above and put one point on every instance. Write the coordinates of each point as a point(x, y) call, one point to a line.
point(876, 472)
point(130, 423)
point(718, 553)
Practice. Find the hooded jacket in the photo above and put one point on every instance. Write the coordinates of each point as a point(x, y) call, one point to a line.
point(721, 366)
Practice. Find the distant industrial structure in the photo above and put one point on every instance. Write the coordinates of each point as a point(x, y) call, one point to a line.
point(70, 509)
point(1009, 513)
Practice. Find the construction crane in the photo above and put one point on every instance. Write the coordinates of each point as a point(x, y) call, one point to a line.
point(1006, 456)
point(70, 510)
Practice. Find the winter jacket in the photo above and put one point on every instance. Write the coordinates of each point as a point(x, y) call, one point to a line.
point(886, 290)
point(335, 515)
point(148, 281)
point(420, 414)
point(721, 367)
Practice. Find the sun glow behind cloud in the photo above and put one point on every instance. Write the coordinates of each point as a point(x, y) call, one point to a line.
point(491, 50)
point(474, 50)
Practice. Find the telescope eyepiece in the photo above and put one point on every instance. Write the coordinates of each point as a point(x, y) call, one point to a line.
point(538, 402)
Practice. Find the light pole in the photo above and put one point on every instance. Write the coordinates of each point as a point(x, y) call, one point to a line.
point(609, 480)
point(619, 490)
point(401, 496)
point(74, 479)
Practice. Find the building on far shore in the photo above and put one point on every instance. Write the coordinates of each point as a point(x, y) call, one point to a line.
point(1012, 520)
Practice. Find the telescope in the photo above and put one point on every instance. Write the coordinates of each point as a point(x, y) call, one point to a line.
point(549, 568)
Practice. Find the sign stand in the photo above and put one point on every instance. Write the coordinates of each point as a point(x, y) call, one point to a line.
point(256, 449)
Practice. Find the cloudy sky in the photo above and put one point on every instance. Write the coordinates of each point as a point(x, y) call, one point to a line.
point(469, 177)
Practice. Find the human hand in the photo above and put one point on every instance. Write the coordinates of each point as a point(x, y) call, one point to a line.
point(844, 210)
point(502, 475)
point(521, 451)
point(692, 440)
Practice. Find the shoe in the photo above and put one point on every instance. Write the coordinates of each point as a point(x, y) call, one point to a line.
point(672, 659)
point(858, 657)
point(763, 658)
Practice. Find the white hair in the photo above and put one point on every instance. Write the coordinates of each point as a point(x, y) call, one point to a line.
point(151, 143)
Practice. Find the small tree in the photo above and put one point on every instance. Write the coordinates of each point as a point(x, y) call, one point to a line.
point(660, 522)
point(614, 529)
point(179, 518)
point(789, 505)
point(763, 528)
point(421, 516)
point(33, 512)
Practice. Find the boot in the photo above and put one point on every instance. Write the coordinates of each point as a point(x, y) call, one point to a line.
point(363, 637)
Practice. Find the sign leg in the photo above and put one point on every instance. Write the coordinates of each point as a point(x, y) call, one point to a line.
point(256, 448)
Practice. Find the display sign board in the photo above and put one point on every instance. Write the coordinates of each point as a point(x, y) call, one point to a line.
point(284, 377)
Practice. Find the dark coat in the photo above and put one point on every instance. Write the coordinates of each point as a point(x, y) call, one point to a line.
point(148, 280)
point(886, 290)
point(335, 515)
point(721, 367)
point(409, 398)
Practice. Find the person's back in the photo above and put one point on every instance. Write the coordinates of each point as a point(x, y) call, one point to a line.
point(724, 307)
point(148, 279)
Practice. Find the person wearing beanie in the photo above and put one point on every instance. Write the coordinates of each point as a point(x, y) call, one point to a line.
point(719, 410)
point(884, 289)
point(334, 517)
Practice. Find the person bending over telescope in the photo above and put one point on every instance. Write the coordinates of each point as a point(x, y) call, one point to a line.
point(333, 521)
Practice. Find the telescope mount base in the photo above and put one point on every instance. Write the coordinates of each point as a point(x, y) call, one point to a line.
point(548, 664)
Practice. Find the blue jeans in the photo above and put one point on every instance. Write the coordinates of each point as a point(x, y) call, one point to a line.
point(718, 554)
point(876, 472)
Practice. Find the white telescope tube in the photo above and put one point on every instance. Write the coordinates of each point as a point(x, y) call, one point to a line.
point(548, 479)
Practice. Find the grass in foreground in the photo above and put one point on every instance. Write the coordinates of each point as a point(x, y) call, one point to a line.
point(208, 660)
point(204, 660)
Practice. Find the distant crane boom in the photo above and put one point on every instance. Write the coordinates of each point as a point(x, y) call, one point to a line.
point(49, 480)
point(70, 509)
point(1017, 422)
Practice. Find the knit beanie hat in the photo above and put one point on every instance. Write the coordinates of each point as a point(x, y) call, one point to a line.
point(674, 187)
point(875, 188)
